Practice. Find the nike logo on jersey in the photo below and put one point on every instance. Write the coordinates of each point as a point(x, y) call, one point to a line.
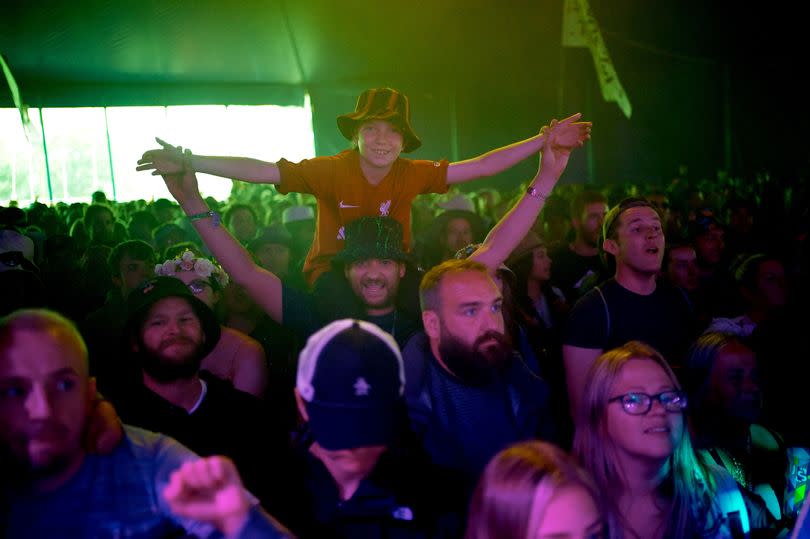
point(341, 205)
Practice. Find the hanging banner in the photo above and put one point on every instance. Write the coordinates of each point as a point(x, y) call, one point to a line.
point(580, 29)
point(28, 128)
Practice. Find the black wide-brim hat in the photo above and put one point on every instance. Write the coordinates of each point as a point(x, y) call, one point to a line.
point(153, 290)
point(381, 104)
point(372, 237)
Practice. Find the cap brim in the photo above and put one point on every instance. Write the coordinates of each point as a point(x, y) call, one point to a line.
point(337, 427)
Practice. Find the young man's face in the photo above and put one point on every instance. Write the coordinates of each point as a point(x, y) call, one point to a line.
point(379, 143)
point(376, 282)
point(639, 240)
point(590, 221)
point(45, 397)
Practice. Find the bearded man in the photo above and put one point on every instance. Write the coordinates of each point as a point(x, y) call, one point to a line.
point(469, 393)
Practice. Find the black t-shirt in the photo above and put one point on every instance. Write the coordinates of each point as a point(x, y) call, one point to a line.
point(227, 422)
point(610, 315)
point(306, 313)
point(569, 270)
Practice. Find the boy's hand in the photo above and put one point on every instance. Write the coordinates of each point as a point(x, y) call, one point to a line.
point(168, 160)
point(570, 133)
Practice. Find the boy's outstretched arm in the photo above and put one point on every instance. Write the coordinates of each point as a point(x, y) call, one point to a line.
point(171, 160)
point(571, 134)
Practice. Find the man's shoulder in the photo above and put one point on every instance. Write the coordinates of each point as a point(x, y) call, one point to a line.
point(145, 444)
point(222, 392)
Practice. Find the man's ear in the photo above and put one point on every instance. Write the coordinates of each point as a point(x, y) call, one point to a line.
point(302, 409)
point(611, 246)
point(430, 320)
point(117, 281)
point(402, 270)
point(92, 392)
point(133, 344)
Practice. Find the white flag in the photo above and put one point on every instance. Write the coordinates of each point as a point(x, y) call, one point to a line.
point(580, 29)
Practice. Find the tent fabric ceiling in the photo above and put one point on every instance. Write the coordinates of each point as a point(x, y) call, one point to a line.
point(153, 45)
point(481, 73)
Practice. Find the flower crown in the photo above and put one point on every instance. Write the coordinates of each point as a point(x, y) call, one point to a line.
point(189, 262)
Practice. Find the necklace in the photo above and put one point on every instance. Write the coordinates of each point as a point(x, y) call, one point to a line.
point(736, 466)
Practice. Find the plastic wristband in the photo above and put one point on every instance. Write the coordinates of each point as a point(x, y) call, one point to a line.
point(535, 193)
point(216, 219)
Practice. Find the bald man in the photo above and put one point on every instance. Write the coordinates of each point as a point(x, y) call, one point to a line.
point(148, 486)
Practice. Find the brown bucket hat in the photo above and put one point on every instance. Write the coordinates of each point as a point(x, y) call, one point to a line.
point(381, 104)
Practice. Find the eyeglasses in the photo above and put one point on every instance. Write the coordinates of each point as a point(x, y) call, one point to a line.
point(640, 403)
point(197, 286)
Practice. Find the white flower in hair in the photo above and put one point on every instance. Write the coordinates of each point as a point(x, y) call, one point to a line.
point(203, 267)
point(168, 268)
point(189, 262)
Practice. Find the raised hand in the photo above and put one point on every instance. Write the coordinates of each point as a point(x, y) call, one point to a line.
point(167, 160)
point(183, 186)
point(571, 133)
point(209, 490)
point(555, 154)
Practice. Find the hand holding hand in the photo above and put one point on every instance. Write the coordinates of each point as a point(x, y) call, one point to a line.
point(168, 160)
point(571, 133)
point(554, 155)
point(183, 185)
point(210, 490)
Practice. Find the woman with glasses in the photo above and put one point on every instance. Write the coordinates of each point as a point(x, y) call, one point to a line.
point(534, 490)
point(632, 439)
point(237, 357)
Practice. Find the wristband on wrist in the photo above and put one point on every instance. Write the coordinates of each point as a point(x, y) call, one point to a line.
point(535, 193)
point(216, 219)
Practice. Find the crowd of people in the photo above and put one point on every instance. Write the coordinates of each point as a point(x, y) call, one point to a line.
point(364, 349)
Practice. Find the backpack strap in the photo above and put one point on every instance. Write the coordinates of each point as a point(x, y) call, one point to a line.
point(607, 311)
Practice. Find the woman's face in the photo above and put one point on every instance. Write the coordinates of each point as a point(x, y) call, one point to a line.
point(541, 264)
point(654, 434)
point(200, 287)
point(571, 513)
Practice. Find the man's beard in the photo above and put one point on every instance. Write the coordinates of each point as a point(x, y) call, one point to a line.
point(18, 466)
point(476, 364)
point(163, 369)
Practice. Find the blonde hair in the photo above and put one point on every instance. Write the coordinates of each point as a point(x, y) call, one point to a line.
point(517, 485)
point(42, 321)
point(688, 483)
